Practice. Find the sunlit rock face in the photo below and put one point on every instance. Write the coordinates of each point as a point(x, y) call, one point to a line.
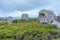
point(10, 20)
point(46, 16)
point(58, 19)
point(25, 17)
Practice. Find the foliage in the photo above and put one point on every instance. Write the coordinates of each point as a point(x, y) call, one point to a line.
point(27, 31)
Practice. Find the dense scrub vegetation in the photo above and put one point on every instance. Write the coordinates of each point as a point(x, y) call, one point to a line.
point(29, 31)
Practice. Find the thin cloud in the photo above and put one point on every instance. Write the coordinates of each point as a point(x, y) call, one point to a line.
point(22, 5)
point(16, 8)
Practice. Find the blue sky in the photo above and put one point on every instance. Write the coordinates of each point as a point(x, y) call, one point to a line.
point(16, 8)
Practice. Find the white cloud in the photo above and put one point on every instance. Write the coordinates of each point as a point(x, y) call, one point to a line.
point(54, 6)
point(16, 13)
point(22, 4)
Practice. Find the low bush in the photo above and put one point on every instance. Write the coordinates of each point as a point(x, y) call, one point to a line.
point(27, 31)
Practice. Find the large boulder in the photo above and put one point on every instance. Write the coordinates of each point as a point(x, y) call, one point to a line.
point(10, 20)
point(25, 17)
point(46, 16)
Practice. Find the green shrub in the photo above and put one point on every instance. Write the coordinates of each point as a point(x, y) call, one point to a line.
point(27, 31)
